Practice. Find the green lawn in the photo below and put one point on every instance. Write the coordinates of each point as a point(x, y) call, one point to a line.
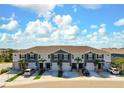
point(14, 77)
point(37, 77)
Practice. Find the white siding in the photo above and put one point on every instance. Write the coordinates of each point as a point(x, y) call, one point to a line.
point(16, 57)
point(16, 65)
point(32, 65)
point(66, 66)
point(90, 66)
point(54, 66)
point(45, 56)
point(107, 57)
point(77, 55)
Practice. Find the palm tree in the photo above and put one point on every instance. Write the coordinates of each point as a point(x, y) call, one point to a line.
point(60, 72)
point(78, 59)
point(22, 64)
point(59, 64)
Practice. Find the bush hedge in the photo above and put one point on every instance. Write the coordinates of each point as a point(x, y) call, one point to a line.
point(4, 70)
point(60, 73)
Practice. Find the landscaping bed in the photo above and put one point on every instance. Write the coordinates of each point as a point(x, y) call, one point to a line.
point(4, 70)
point(40, 72)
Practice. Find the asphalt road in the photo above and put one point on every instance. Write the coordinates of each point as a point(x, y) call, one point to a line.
point(74, 84)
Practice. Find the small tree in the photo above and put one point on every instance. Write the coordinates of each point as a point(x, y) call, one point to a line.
point(22, 65)
point(118, 63)
point(60, 72)
point(96, 62)
point(78, 59)
point(60, 64)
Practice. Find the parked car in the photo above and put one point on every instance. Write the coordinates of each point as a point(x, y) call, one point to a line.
point(28, 72)
point(85, 72)
point(114, 70)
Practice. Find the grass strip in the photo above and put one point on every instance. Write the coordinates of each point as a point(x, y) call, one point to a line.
point(38, 76)
point(14, 77)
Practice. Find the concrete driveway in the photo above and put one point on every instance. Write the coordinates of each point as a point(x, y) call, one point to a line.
point(22, 78)
point(6, 76)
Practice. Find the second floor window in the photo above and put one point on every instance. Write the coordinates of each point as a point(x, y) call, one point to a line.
point(55, 57)
point(65, 56)
point(31, 56)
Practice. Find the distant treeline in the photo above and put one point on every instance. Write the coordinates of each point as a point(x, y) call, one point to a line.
point(8, 57)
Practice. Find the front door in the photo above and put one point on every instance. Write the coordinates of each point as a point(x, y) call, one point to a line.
point(74, 66)
point(41, 65)
point(80, 65)
point(48, 65)
point(99, 66)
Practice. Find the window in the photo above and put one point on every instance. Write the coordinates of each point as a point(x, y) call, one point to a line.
point(73, 56)
point(55, 56)
point(90, 56)
point(48, 56)
point(39, 57)
point(65, 56)
point(100, 56)
point(82, 56)
point(31, 56)
point(22, 56)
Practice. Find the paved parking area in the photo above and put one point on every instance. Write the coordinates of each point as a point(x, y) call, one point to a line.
point(22, 78)
point(94, 74)
point(70, 74)
point(106, 74)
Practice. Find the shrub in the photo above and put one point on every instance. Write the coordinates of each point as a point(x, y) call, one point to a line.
point(60, 73)
point(121, 72)
point(4, 70)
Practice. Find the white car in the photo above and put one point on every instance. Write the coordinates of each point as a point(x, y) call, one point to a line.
point(114, 70)
point(27, 72)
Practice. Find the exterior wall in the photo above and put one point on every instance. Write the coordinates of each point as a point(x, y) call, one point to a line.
point(16, 65)
point(16, 57)
point(32, 65)
point(54, 66)
point(77, 55)
point(66, 66)
point(107, 59)
point(44, 56)
point(90, 66)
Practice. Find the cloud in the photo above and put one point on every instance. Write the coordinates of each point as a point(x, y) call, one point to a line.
point(91, 6)
point(120, 22)
point(12, 25)
point(93, 26)
point(41, 9)
point(8, 19)
point(62, 20)
point(38, 28)
point(6, 37)
point(65, 29)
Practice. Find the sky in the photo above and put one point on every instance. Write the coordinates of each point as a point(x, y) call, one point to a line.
point(28, 25)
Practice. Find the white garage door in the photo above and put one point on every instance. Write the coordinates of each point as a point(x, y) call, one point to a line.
point(54, 66)
point(90, 66)
point(66, 66)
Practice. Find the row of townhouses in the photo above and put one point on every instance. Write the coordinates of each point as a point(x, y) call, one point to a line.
point(67, 54)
